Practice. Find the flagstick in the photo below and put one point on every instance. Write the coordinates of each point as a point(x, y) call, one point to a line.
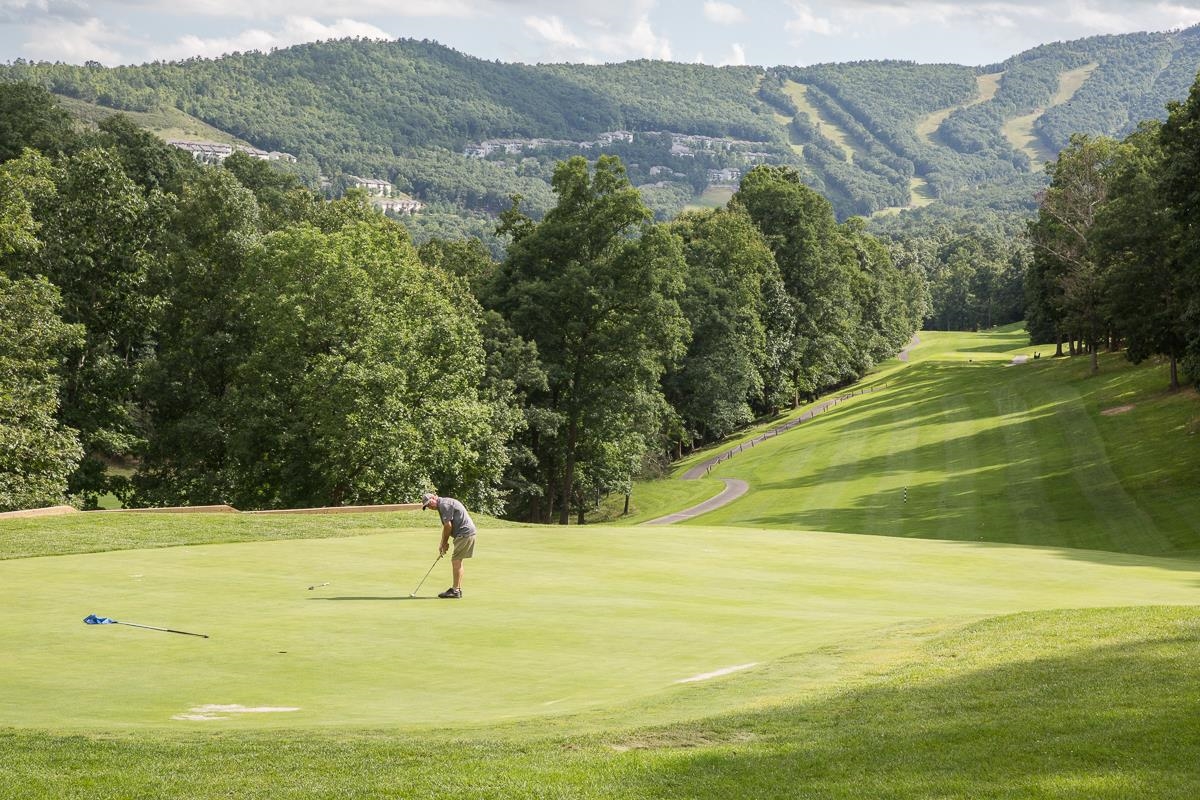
point(168, 630)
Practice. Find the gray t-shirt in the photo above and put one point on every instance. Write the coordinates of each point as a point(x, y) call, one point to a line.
point(454, 512)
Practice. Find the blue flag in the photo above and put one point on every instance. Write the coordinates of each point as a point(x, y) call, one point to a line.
point(92, 619)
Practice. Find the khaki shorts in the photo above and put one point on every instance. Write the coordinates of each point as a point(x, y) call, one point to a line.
point(464, 547)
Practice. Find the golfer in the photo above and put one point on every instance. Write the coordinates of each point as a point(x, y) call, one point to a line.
point(456, 524)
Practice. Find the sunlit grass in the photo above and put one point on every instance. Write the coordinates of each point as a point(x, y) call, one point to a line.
point(1019, 130)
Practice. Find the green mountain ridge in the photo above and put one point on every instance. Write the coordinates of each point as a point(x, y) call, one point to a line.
point(406, 110)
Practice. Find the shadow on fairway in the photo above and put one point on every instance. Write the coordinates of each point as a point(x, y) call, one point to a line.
point(372, 598)
point(978, 456)
point(1007, 731)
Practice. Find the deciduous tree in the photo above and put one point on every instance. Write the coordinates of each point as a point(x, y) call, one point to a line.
point(719, 379)
point(594, 285)
point(37, 452)
point(1180, 188)
point(1137, 241)
point(362, 385)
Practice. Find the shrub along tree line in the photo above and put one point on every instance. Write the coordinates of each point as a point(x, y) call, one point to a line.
point(231, 337)
point(1116, 258)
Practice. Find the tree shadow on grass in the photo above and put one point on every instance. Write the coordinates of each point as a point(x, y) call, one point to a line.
point(1101, 723)
point(1002, 347)
point(919, 395)
point(1029, 473)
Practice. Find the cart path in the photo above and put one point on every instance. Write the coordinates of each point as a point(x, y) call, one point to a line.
point(734, 488)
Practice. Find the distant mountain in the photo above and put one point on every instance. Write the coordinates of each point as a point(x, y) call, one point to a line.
point(872, 136)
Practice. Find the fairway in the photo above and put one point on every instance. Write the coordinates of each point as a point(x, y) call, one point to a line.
point(584, 628)
point(964, 444)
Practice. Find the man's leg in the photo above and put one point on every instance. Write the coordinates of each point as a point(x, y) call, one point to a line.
point(456, 567)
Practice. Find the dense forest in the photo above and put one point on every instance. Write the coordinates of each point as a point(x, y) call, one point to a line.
point(870, 135)
point(182, 333)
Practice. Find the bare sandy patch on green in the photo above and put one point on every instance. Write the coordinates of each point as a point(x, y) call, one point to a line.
point(165, 122)
point(712, 197)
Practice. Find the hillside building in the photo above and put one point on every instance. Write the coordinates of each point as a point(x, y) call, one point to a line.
point(398, 203)
point(215, 153)
point(372, 186)
point(729, 175)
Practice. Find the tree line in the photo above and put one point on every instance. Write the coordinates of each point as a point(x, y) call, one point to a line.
point(223, 334)
point(1116, 253)
point(974, 263)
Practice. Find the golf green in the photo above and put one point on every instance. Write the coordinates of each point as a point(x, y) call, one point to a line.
point(621, 626)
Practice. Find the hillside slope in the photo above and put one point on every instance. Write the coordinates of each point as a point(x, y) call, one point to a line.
point(407, 109)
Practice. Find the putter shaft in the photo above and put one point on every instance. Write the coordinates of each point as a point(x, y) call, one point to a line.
point(431, 566)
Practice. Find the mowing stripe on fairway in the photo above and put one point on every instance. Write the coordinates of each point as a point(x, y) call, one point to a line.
point(964, 445)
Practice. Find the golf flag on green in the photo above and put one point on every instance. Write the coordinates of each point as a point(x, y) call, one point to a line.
point(92, 619)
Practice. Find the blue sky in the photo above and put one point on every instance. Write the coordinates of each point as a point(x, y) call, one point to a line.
point(761, 32)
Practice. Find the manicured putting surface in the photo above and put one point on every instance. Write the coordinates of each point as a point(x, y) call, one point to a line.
point(555, 622)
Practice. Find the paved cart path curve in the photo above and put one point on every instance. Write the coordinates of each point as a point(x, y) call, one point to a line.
point(734, 488)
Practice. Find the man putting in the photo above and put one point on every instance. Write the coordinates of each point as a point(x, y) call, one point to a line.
point(456, 524)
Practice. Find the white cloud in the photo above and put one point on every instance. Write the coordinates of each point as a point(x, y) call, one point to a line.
point(874, 19)
point(27, 10)
point(553, 31)
point(646, 43)
point(737, 57)
point(295, 30)
point(1099, 18)
point(600, 40)
point(1040, 21)
point(74, 42)
point(964, 31)
point(805, 21)
point(723, 13)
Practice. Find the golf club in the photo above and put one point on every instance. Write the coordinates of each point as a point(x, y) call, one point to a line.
point(318, 585)
point(431, 566)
